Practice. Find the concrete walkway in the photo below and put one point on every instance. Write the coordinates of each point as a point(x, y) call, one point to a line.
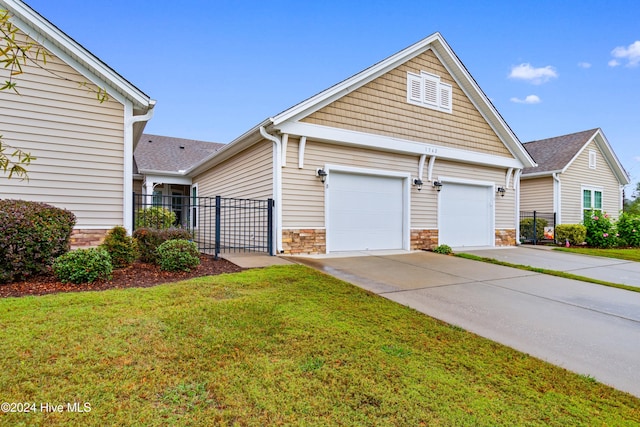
point(607, 269)
point(586, 328)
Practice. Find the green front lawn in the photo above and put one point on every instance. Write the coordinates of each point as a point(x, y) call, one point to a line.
point(279, 346)
point(627, 254)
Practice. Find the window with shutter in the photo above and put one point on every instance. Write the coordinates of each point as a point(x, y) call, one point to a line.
point(426, 89)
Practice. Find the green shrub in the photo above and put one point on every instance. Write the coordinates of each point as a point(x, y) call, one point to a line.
point(149, 239)
point(178, 255)
point(155, 217)
point(121, 247)
point(628, 226)
point(600, 230)
point(443, 249)
point(32, 235)
point(83, 266)
point(526, 228)
point(574, 233)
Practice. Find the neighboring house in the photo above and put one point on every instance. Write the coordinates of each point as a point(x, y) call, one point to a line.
point(407, 154)
point(575, 173)
point(159, 166)
point(84, 148)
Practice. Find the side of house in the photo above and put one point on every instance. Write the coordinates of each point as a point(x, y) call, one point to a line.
point(83, 147)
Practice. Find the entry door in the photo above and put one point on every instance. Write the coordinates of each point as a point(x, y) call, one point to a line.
point(365, 212)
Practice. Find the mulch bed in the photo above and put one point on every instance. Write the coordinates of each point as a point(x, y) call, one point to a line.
point(139, 275)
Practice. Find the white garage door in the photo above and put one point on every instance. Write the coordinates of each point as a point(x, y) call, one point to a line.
point(365, 212)
point(465, 215)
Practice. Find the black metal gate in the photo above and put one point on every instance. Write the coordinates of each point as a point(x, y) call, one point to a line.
point(217, 224)
point(537, 227)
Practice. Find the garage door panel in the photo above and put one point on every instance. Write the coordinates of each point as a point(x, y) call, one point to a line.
point(365, 212)
point(466, 215)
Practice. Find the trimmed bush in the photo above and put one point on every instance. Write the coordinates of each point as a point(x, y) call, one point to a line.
point(600, 230)
point(178, 255)
point(443, 249)
point(574, 233)
point(629, 229)
point(121, 247)
point(32, 236)
point(83, 266)
point(526, 228)
point(149, 239)
point(155, 217)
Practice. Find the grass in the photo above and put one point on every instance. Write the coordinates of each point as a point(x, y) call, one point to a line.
point(280, 346)
point(629, 254)
point(556, 273)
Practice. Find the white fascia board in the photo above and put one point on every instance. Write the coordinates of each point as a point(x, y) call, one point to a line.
point(539, 174)
point(395, 145)
point(68, 50)
point(167, 178)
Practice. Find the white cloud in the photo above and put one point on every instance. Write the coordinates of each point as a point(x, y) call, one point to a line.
point(531, 99)
point(584, 65)
point(630, 53)
point(533, 75)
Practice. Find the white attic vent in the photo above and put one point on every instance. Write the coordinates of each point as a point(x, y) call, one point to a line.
point(426, 89)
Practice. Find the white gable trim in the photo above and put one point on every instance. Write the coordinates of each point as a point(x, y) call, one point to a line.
point(62, 46)
point(396, 145)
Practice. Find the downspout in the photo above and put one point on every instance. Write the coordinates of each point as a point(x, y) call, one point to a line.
point(516, 187)
point(277, 183)
point(556, 197)
point(129, 121)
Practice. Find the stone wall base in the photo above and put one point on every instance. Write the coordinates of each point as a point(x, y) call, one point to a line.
point(304, 241)
point(423, 239)
point(505, 237)
point(87, 238)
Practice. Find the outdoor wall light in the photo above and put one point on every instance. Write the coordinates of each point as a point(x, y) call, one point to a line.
point(437, 185)
point(322, 174)
point(418, 183)
point(501, 191)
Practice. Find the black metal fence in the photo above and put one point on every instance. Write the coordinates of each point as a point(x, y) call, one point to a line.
point(217, 224)
point(537, 227)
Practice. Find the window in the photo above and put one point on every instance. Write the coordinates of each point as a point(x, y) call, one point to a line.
point(157, 198)
point(592, 159)
point(591, 199)
point(194, 206)
point(427, 90)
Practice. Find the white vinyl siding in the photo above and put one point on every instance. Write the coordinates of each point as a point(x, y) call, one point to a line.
point(536, 194)
point(427, 90)
point(78, 144)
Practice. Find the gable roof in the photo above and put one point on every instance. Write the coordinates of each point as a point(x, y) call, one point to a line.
point(75, 55)
point(287, 120)
point(155, 153)
point(555, 155)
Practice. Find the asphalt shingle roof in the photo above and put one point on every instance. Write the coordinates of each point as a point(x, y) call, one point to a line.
point(164, 153)
point(553, 154)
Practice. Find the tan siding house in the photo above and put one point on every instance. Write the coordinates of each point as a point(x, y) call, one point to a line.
point(575, 172)
point(407, 154)
point(83, 148)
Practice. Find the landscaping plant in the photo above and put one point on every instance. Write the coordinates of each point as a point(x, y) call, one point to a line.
point(155, 217)
point(600, 230)
point(121, 247)
point(83, 266)
point(526, 228)
point(149, 239)
point(443, 249)
point(178, 255)
point(33, 235)
point(628, 226)
point(575, 234)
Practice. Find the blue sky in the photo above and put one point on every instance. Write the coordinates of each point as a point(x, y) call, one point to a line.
point(217, 68)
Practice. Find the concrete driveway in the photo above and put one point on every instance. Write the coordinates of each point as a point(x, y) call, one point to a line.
point(589, 329)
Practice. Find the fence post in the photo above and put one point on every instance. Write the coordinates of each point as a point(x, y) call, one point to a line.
point(554, 229)
point(270, 226)
point(535, 228)
point(218, 212)
point(133, 213)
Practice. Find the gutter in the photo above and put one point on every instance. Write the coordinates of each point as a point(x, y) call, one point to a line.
point(277, 186)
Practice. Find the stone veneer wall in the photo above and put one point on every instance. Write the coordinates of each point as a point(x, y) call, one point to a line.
point(87, 238)
point(506, 237)
point(424, 239)
point(304, 241)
